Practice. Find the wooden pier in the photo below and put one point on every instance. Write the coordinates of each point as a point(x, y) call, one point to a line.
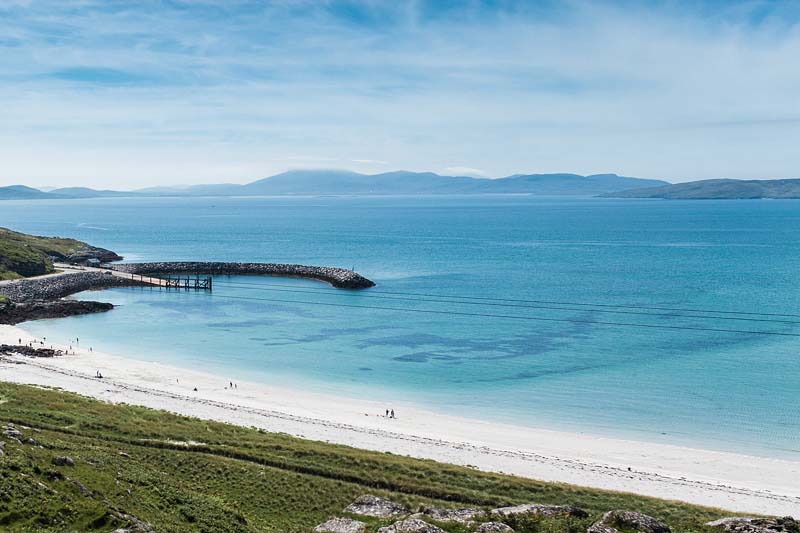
point(173, 282)
point(188, 283)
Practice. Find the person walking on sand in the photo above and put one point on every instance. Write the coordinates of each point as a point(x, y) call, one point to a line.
point(392, 414)
point(387, 413)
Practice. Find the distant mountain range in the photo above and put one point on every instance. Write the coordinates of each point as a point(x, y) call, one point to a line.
point(719, 189)
point(340, 182)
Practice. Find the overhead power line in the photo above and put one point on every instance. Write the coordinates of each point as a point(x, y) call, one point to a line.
point(512, 317)
point(465, 301)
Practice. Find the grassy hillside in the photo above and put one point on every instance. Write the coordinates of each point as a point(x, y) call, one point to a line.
point(24, 255)
point(182, 475)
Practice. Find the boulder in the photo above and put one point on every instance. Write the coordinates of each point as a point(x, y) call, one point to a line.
point(494, 527)
point(600, 527)
point(12, 433)
point(136, 525)
point(541, 510)
point(63, 461)
point(462, 516)
point(341, 525)
point(746, 524)
point(411, 525)
point(628, 520)
point(369, 505)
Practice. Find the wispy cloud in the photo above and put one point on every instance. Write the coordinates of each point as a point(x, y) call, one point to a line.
point(465, 171)
point(136, 93)
point(370, 161)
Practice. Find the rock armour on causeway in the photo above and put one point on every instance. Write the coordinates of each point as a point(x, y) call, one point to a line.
point(338, 277)
point(53, 287)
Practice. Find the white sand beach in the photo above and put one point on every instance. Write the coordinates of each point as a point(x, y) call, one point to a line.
point(730, 481)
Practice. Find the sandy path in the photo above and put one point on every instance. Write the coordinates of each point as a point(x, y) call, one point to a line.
point(731, 481)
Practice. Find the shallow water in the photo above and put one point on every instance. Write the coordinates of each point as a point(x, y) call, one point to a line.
point(552, 364)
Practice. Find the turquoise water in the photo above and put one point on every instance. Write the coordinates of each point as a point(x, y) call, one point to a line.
point(722, 390)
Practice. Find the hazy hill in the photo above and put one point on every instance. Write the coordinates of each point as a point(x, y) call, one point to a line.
point(21, 192)
point(85, 192)
point(721, 189)
point(314, 182)
point(567, 184)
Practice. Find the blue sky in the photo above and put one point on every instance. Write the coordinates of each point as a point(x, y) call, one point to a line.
point(127, 94)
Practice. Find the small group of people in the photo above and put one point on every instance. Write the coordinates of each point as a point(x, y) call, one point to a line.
point(232, 385)
point(390, 413)
point(98, 375)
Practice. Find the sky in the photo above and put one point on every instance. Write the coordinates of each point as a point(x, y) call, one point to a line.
point(121, 94)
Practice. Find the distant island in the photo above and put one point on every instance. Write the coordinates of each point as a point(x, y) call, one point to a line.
point(718, 189)
point(340, 182)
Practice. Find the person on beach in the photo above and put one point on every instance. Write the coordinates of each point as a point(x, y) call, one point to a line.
point(387, 413)
point(392, 414)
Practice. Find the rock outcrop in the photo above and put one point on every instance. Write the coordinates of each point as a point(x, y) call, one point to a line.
point(494, 527)
point(743, 524)
point(441, 514)
point(600, 527)
point(341, 525)
point(338, 277)
point(82, 257)
point(541, 510)
point(628, 520)
point(29, 351)
point(63, 461)
point(369, 505)
point(411, 525)
point(15, 313)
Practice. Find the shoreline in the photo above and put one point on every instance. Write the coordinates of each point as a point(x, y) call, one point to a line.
point(735, 482)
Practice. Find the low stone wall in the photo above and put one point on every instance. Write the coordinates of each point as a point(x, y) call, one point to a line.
point(53, 287)
point(338, 277)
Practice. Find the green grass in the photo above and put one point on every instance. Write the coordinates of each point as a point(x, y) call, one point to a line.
point(239, 479)
point(24, 255)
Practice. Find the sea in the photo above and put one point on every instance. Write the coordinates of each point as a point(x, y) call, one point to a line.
point(662, 321)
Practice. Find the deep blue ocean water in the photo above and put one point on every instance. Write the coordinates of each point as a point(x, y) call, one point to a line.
point(729, 390)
